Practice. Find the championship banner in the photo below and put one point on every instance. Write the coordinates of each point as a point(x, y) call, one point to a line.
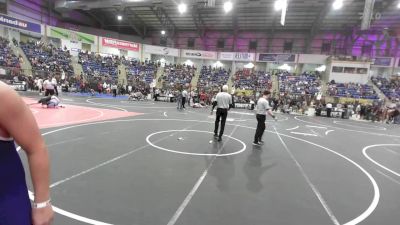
point(236, 56)
point(61, 33)
point(266, 57)
point(19, 24)
point(197, 54)
point(114, 43)
point(159, 50)
point(382, 61)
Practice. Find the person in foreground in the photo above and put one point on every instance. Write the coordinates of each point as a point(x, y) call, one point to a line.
point(17, 123)
point(263, 108)
point(224, 103)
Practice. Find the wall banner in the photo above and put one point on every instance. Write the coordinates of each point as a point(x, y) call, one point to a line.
point(197, 54)
point(19, 24)
point(159, 50)
point(114, 43)
point(266, 57)
point(236, 56)
point(382, 61)
point(61, 33)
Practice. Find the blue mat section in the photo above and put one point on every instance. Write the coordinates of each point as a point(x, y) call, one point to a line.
point(97, 95)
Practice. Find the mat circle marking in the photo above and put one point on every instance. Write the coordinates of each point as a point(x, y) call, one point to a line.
point(195, 154)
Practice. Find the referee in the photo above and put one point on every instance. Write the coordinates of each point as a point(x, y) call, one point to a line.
point(263, 108)
point(224, 103)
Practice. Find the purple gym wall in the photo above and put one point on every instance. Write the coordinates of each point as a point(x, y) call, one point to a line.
point(350, 44)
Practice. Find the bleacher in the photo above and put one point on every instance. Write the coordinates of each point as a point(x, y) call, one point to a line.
point(299, 85)
point(390, 88)
point(48, 58)
point(140, 71)
point(99, 66)
point(212, 77)
point(7, 57)
point(178, 74)
point(352, 90)
point(247, 80)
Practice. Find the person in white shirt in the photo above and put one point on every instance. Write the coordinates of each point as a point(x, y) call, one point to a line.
point(184, 97)
point(54, 82)
point(40, 85)
point(263, 108)
point(49, 87)
point(114, 88)
point(105, 86)
point(328, 109)
point(224, 103)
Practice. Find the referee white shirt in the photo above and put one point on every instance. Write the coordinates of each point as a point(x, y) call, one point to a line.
point(223, 100)
point(263, 106)
point(48, 85)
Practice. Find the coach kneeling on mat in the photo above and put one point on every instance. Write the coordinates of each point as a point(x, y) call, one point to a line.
point(224, 103)
point(263, 108)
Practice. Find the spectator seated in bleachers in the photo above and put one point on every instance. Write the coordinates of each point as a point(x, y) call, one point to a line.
point(213, 77)
point(391, 88)
point(99, 66)
point(351, 90)
point(306, 83)
point(48, 58)
point(248, 80)
point(7, 57)
point(178, 74)
point(135, 70)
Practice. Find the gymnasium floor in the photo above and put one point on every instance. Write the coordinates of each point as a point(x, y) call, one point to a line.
point(146, 163)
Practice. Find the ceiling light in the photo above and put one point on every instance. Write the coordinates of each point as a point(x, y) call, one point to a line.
point(398, 5)
point(188, 62)
point(249, 66)
point(182, 8)
point(119, 17)
point(321, 68)
point(218, 64)
point(228, 6)
point(163, 32)
point(337, 4)
point(280, 4)
point(285, 67)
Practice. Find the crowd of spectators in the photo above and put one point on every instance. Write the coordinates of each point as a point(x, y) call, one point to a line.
point(213, 77)
point(8, 58)
point(178, 74)
point(48, 58)
point(248, 80)
point(140, 71)
point(99, 66)
point(305, 83)
point(391, 88)
point(351, 90)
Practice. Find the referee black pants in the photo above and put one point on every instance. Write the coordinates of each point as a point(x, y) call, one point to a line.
point(221, 116)
point(260, 127)
point(49, 92)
